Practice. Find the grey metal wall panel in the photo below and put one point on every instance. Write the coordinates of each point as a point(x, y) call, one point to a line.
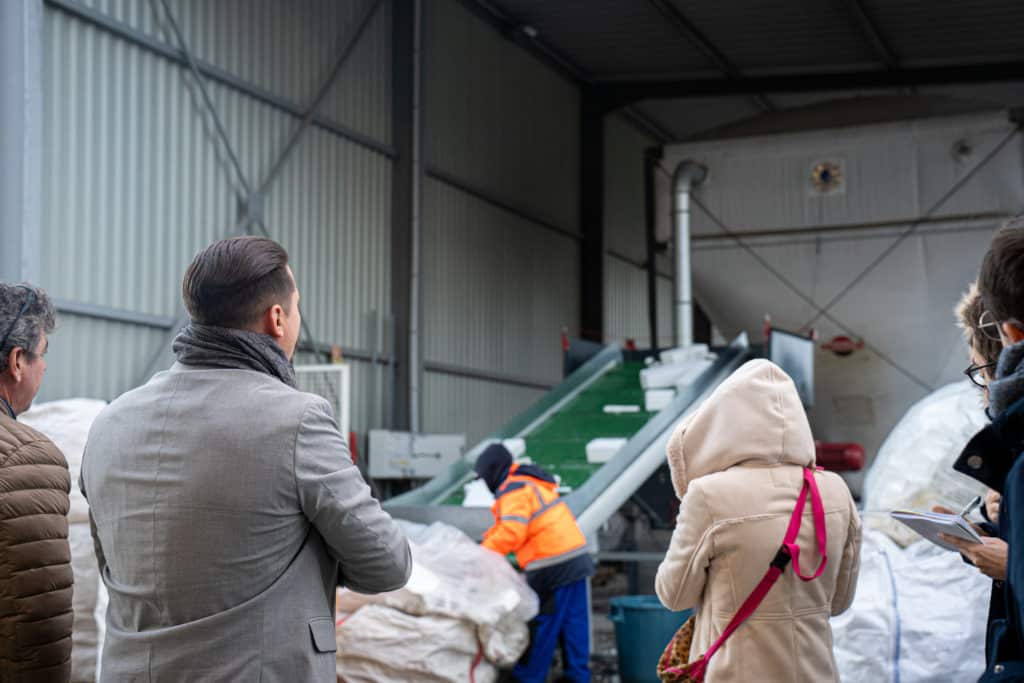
point(496, 289)
point(367, 402)
point(136, 183)
point(94, 358)
point(132, 185)
point(286, 48)
point(498, 117)
point(625, 310)
point(475, 408)
point(626, 313)
point(331, 209)
point(625, 304)
point(361, 97)
point(624, 219)
point(891, 171)
point(901, 309)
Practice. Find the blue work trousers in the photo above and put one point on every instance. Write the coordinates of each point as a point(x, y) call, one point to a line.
point(564, 618)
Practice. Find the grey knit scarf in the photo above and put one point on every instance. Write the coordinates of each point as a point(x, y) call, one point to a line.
point(1008, 387)
point(223, 347)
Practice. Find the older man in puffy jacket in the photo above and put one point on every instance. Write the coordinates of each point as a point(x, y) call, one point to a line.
point(35, 560)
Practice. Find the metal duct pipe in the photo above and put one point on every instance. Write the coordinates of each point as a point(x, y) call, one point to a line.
point(688, 175)
point(415, 279)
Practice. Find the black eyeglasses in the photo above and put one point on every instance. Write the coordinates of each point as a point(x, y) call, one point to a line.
point(977, 374)
point(31, 299)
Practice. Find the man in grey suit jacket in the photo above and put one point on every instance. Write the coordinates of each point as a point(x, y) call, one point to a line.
point(224, 503)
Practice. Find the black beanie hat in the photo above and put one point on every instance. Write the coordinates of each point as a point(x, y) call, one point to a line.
point(493, 465)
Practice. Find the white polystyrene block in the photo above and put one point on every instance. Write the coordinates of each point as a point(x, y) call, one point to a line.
point(683, 354)
point(517, 447)
point(660, 376)
point(604, 449)
point(692, 372)
point(621, 409)
point(477, 495)
point(657, 399)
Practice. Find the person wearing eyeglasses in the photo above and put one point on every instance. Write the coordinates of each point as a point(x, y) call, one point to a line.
point(991, 555)
point(35, 558)
point(984, 354)
point(993, 455)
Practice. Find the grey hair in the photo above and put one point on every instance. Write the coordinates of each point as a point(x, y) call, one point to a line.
point(39, 317)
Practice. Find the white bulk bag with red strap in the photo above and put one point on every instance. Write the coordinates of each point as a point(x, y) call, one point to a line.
point(452, 578)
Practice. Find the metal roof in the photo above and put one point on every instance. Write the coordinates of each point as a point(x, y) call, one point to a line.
point(728, 48)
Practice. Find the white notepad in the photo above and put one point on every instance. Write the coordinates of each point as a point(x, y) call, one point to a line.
point(931, 524)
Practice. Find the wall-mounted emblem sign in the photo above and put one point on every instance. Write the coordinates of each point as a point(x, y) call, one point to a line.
point(827, 177)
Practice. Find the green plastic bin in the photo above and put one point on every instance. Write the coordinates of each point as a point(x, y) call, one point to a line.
point(643, 627)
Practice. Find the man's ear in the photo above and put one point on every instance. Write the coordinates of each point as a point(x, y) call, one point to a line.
point(277, 321)
point(15, 362)
point(1012, 333)
point(272, 322)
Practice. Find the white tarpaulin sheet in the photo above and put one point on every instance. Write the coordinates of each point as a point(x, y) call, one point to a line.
point(920, 611)
point(919, 617)
point(379, 643)
point(914, 466)
point(453, 580)
point(67, 424)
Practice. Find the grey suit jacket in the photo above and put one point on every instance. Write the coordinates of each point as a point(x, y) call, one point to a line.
point(225, 510)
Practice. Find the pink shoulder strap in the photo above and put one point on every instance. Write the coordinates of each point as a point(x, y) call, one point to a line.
point(789, 551)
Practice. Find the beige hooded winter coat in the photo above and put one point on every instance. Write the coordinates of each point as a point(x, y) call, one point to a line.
point(737, 465)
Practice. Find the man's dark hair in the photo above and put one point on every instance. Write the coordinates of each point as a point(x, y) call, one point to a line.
point(1002, 273)
point(231, 283)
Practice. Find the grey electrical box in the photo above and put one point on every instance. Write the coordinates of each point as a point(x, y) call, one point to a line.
point(402, 455)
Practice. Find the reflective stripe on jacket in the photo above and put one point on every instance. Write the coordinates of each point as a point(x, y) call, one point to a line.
point(534, 523)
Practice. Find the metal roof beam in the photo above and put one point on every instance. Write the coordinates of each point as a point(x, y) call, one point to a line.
point(686, 28)
point(215, 73)
point(618, 95)
point(872, 35)
point(516, 32)
point(646, 124)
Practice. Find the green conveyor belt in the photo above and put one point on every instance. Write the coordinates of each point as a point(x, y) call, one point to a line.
point(559, 444)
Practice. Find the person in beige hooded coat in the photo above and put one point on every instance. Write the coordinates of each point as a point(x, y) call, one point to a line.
point(737, 465)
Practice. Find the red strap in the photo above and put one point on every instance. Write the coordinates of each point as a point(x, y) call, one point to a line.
point(476, 662)
point(789, 550)
point(818, 512)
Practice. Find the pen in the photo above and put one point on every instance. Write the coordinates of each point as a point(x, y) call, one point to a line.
point(970, 506)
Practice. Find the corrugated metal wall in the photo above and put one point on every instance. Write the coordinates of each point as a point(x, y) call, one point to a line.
point(499, 118)
point(625, 308)
point(903, 308)
point(136, 181)
point(498, 286)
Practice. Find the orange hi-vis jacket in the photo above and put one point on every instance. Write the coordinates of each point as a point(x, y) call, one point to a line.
point(534, 523)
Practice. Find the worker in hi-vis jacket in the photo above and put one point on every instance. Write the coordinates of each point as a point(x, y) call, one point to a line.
point(531, 521)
